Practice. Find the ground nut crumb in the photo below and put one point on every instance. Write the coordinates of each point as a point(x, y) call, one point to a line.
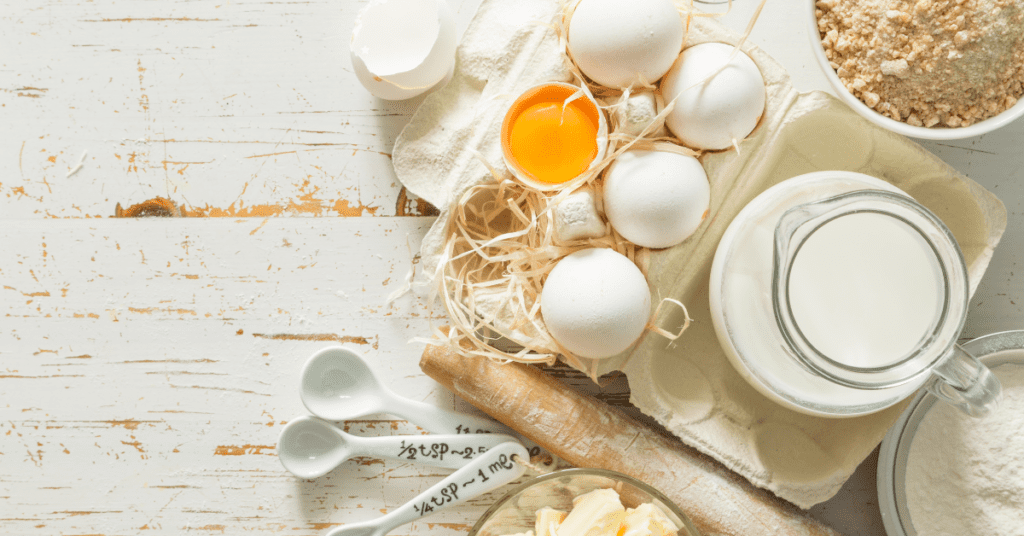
point(897, 68)
point(944, 63)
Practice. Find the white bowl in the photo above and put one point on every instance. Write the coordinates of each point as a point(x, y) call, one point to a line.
point(899, 127)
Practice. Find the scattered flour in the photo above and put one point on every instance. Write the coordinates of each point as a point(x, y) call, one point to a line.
point(965, 477)
point(945, 63)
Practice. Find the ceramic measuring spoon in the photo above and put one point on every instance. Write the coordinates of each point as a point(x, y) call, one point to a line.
point(338, 384)
point(310, 447)
point(487, 472)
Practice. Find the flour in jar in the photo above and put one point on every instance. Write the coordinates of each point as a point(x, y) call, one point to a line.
point(965, 476)
point(866, 289)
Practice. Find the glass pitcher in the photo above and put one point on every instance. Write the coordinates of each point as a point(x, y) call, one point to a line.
point(836, 294)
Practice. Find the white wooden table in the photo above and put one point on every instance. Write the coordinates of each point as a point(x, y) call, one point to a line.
point(148, 364)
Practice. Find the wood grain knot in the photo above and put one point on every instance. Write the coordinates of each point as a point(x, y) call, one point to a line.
point(410, 205)
point(158, 207)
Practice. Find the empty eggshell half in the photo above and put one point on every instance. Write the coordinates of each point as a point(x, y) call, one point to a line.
point(595, 303)
point(402, 48)
point(622, 43)
point(715, 102)
point(655, 199)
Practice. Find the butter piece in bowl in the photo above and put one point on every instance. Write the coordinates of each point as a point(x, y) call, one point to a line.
point(584, 502)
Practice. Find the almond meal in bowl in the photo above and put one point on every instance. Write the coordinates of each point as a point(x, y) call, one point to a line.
point(936, 69)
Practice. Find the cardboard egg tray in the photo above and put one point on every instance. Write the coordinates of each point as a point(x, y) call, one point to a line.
point(689, 386)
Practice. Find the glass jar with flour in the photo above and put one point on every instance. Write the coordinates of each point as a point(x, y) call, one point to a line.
point(836, 294)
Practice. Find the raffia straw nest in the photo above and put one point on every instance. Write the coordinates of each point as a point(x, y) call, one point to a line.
point(500, 242)
point(500, 248)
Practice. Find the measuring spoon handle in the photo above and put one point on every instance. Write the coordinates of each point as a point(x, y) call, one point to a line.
point(439, 450)
point(442, 421)
point(439, 420)
point(485, 473)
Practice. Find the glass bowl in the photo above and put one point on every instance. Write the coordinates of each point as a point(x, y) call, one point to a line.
point(516, 511)
point(993, 350)
point(927, 133)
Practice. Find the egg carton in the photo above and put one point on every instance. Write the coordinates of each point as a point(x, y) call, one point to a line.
point(688, 385)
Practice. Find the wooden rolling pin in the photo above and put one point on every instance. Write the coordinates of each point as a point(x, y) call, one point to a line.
point(589, 433)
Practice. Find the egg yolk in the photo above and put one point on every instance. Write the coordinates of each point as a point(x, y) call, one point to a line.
point(553, 142)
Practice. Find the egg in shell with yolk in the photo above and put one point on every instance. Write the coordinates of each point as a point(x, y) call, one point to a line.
point(552, 134)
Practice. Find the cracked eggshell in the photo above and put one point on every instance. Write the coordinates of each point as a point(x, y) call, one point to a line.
point(633, 113)
point(403, 48)
point(656, 199)
point(595, 303)
point(619, 44)
point(711, 112)
point(576, 217)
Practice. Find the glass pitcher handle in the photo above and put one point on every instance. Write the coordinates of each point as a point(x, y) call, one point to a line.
point(965, 382)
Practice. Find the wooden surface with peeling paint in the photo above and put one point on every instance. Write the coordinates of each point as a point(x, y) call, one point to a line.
point(197, 196)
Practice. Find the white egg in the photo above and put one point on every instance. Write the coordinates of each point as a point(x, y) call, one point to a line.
point(403, 48)
point(655, 199)
point(711, 112)
point(619, 43)
point(595, 303)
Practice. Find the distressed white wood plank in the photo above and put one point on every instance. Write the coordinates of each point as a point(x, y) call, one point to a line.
point(232, 108)
point(173, 268)
point(276, 282)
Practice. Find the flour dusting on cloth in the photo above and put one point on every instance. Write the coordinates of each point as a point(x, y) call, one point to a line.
point(688, 385)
